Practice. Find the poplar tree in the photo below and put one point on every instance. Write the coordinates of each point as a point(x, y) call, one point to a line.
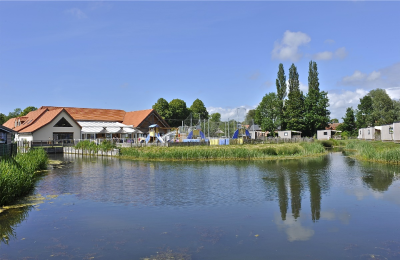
point(316, 103)
point(281, 95)
point(294, 107)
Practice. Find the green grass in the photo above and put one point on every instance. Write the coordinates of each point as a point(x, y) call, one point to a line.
point(375, 151)
point(231, 152)
point(18, 174)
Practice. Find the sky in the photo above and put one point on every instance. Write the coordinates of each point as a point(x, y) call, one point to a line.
point(127, 55)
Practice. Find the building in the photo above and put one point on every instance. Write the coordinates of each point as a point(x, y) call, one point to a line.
point(387, 132)
point(256, 132)
point(328, 134)
point(6, 139)
point(59, 123)
point(289, 134)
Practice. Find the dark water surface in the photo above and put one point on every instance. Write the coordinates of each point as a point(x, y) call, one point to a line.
point(331, 207)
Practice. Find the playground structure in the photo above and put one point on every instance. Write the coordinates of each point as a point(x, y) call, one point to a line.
point(241, 132)
point(154, 134)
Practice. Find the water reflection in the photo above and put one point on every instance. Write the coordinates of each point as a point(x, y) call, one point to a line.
point(9, 220)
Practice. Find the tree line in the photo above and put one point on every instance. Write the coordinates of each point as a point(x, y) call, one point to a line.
point(376, 108)
point(16, 113)
point(289, 108)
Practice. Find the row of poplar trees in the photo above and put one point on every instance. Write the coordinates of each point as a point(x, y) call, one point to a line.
point(290, 109)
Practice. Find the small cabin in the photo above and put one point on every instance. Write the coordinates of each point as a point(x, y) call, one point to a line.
point(387, 132)
point(328, 134)
point(289, 134)
point(396, 132)
point(361, 133)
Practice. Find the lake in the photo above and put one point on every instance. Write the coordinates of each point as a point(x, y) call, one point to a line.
point(330, 207)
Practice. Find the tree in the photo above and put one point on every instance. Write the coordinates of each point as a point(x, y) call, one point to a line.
point(281, 94)
point(316, 103)
point(162, 108)
point(294, 107)
point(334, 120)
point(267, 112)
point(3, 118)
point(27, 110)
point(199, 110)
point(15, 113)
point(250, 116)
point(349, 123)
point(364, 112)
point(215, 117)
point(382, 107)
point(178, 110)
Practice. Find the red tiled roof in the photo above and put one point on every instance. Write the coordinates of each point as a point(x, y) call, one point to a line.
point(93, 114)
point(45, 119)
point(135, 118)
point(10, 123)
point(31, 118)
point(332, 126)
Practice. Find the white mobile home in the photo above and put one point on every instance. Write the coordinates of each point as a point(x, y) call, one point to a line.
point(396, 132)
point(361, 133)
point(387, 132)
point(289, 134)
point(328, 134)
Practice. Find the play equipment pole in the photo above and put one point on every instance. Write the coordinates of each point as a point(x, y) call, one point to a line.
point(228, 128)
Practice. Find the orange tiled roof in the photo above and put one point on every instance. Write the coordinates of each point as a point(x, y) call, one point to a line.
point(135, 118)
point(332, 126)
point(31, 118)
point(10, 123)
point(45, 119)
point(92, 114)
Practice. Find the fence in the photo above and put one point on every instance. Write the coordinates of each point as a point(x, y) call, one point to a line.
point(8, 149)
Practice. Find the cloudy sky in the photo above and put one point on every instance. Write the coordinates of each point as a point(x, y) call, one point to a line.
point(126, 55)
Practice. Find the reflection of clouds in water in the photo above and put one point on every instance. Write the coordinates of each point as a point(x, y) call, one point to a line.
point(293, 228)
point(344, 216)
point(360, 193)
point(392, 195)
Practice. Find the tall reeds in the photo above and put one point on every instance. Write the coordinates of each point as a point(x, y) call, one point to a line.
point(92, 147)
point(375, 151)
point(17, 174)
point(231, 152)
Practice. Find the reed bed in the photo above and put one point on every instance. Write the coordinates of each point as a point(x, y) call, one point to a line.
point(375, 151)
point(92, 147)
point(231, 152)
point(18, 174)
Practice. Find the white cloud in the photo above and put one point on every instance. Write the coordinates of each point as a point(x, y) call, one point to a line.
point(288, 47)
point(339, 102)
point(231, 113)
point(326, 55)
point(76, 12)
point(341, 53)
point(329, 41)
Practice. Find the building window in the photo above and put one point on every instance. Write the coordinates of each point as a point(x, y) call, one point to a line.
point(63, 123)
point(325, 133)
point(390, 130)
point(3, 138)
point(285, 133)
point(63, 136)
point(360, 132)
point(369, 132)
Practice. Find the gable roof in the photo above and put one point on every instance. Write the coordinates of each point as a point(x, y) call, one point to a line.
point(136, 118)
point(332, 126)
point(45, 119)
point(92, 114)
point(10, 123)
point(6, 129)
point(30, 118)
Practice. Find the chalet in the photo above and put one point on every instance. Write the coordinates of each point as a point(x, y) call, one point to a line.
point(328, 134)
point(256, 132)
point(387, 132)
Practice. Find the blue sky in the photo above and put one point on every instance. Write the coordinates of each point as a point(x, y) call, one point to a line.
point(126, 55)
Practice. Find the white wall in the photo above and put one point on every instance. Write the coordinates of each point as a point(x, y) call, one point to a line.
point(24, 137)
point(321, 136)
point(281, 134)
point(47, 131)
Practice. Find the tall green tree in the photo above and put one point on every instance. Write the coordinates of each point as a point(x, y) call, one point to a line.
point(162, 108)
point(316, 103)
point(349, 123)
point(364, 112)
point(15, 113)
point(215, 117)
point(382, 107)
point(267, 113)
point(179, 112)
point(3, 118)
point(250, 116)
point(27, 110)
point(199, 110)
point(281, 90)
point(294, 107)
point(334, 120)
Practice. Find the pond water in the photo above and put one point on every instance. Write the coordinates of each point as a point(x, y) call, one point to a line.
point(331, 207)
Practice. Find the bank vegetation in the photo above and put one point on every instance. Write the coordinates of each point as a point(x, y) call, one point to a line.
point(18, 174)
point(377, 151)
point(229, 152)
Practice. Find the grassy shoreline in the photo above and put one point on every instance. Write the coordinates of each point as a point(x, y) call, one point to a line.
point(375, 151)
point(231, 152)
point(18, 174)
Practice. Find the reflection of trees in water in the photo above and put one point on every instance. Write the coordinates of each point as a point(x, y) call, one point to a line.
point(378, 177)
point(294, 176)
point(9, 219)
